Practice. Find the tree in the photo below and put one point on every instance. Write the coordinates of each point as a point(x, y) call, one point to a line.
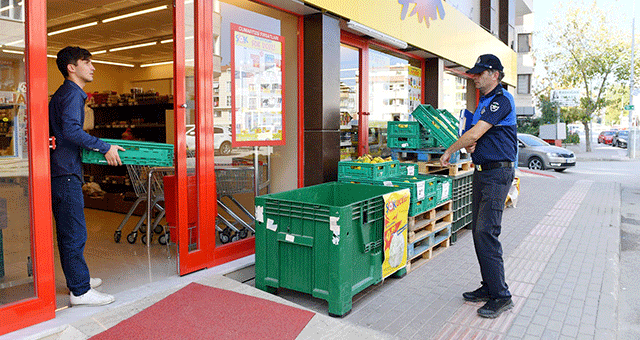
point(586, 50)
point(617, 97)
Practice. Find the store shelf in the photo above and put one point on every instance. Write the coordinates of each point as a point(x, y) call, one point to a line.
point(133, 126)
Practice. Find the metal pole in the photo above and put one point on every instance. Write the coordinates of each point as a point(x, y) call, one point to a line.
point(631, 147)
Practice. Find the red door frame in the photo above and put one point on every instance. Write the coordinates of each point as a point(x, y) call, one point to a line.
point(40, 308)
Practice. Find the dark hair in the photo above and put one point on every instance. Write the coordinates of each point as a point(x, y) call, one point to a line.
point(70, 55)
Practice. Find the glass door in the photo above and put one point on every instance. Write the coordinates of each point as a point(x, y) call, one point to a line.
point(354, 90)
point(26, 251)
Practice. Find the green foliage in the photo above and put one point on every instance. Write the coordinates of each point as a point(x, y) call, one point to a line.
point(529, 125)
point(572, 138)
point(587, 51)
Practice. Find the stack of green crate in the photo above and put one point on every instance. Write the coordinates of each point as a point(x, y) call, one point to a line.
point(441, 124)
point(427, 191)
point(409, 135)
point(462, 199)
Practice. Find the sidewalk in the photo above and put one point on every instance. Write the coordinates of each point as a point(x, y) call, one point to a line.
point(599, 152)
point(561, 259)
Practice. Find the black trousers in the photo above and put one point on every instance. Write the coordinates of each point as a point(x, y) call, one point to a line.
point(490, 189)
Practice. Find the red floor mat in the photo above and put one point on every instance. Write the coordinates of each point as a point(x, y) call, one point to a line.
point(203, 312)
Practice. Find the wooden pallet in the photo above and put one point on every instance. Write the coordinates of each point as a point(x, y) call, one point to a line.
point(422, 258)
point(434, 167)
point(422, 225)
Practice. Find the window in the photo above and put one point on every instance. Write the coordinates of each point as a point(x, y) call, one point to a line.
point(524, 42)
point(524, 84)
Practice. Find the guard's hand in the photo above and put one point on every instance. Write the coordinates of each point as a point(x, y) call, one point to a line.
point(112, 156)
point(444, 159)
point(471, 148)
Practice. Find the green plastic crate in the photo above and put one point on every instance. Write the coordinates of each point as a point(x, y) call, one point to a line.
point(137, 153)
point(324, 240)
point(408, 169)
point(356, 170)
point(439, 127)
point(411, 143)
point(404, 129)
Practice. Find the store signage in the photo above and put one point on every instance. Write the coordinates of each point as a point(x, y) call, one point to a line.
point(424, 9)
point(566, 98)
point(629, 107)
point(257, 87)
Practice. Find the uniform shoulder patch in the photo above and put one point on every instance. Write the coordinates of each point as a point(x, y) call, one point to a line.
point(494, 106)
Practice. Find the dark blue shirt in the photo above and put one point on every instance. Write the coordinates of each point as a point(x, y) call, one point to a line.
point(66, 118)
point(500, 142)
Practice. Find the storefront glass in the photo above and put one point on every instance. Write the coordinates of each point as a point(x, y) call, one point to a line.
point(454, 88)
point(394, 91)
point(349, 100)
point(16, 269)
point(254, 46)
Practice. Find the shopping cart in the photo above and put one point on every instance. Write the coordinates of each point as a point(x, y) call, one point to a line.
point(139, 177)
point(231, 180)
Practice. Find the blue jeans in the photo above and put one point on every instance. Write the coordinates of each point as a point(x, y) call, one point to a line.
point(71, 229)
point(490, 189)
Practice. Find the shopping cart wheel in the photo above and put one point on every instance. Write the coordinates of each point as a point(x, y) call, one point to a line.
point(132, 237)
point(224, 236)
point(163, 239)
point(144, 238)
point(244, 233)
point(158, 229)
point(117, 235)
point(235, 237)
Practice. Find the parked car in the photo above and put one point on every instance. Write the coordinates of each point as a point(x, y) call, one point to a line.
point(537, 154)
point(620, 139)
point(221, 138)
point(605, 137)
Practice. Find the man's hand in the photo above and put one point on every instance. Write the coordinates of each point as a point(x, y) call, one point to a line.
point(471, 148)
point(112, 156)
point(444, 159)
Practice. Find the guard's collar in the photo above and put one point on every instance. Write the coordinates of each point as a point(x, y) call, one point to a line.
point(496, 91)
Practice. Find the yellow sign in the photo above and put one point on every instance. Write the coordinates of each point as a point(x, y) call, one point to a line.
point(396, 213)
point(438, 28)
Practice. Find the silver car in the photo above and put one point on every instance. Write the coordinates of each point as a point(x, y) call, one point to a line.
point(537, 154)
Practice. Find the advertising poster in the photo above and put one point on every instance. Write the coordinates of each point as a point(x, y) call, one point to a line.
point(395, 231)
point(415, 87)
point(257, 89)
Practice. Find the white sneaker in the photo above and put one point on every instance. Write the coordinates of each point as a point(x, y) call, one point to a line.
point(95, 282)
point(91, 298)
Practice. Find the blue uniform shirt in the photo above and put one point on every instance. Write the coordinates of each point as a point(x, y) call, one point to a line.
point(66, 118)
point(500, 142)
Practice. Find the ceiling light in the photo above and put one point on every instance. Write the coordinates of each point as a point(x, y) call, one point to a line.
point(157, 64)
point(166, 41)
point(98, 52)
point(111, 63)
point(12, 51)
point(52, 56)
point(149, 10)
point(15, 42)
point(376, 35)
point(72, 28)
point(132, 46)
point(6, 8)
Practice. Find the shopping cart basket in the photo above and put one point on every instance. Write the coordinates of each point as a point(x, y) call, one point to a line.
point(139, 177)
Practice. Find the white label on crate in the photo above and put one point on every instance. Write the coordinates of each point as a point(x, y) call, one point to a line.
point(411, 170)
point(335, 229)
point(445, 191)
point(271, 226)
point(388, 184)
point(289, 238)
point(420, 190)
point(259, 214)
point(404, 145)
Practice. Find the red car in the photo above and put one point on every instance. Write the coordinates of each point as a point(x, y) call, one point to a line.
point(605, 137)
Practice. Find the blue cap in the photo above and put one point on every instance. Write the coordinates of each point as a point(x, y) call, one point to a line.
point(486, 62)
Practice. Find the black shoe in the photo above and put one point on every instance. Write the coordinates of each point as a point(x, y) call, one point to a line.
point(494, 307)
point(478, 295)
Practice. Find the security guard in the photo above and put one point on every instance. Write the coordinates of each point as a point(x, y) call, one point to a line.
point(492, 142)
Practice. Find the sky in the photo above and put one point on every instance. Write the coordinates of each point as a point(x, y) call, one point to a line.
point(622, 9)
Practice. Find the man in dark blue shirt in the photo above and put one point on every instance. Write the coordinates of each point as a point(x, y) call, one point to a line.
point(492, 142)
point(66, 118)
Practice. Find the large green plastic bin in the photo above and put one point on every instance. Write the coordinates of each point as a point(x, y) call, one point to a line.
point(324, 240)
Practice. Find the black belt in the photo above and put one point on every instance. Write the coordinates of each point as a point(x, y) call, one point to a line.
point(494, 165)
